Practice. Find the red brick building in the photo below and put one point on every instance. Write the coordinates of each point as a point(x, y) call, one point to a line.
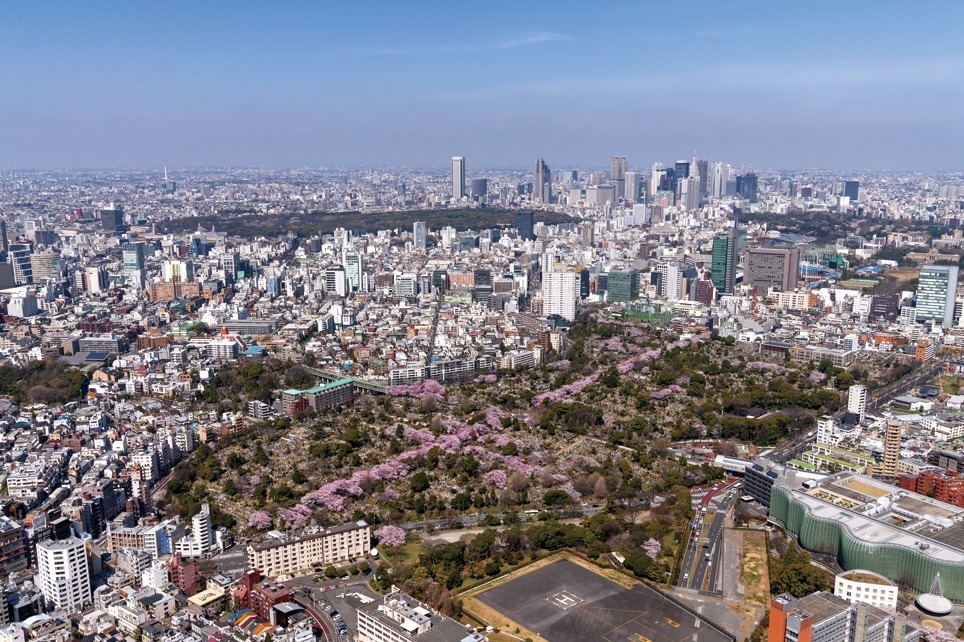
point(184, 575)
point(260, 595)
point(944, 486)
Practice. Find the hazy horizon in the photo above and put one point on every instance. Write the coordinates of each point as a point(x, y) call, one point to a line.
point(765, 83)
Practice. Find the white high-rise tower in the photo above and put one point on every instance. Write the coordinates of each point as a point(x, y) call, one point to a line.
point(458, 177)
point(857, 400)
point(64, 573)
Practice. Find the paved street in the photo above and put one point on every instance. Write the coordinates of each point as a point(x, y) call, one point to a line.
point(701, 561)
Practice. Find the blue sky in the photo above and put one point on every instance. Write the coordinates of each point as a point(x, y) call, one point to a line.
point(772, 83)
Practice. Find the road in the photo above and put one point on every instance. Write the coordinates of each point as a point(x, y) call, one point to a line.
point(703, 552)
point(793, 447)
point(314, 597)
point(472, 521)
point(905, 384)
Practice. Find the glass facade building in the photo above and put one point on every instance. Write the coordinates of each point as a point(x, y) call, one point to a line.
point(860, 542)
point(936, 291)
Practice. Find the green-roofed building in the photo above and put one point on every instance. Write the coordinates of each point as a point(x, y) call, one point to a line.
point(336, 393)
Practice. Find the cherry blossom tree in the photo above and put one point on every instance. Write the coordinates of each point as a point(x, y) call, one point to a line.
point(296, 516)
point(652, 548)
point(390, 536)
point(497, 478)
point(260, 520)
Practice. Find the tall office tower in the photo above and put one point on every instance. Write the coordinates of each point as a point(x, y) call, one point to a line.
point(3, 236)
point(670, 280)
point(890, 465)
point(936, 291)
point(133, 257)
point(719, 175)
point(354, 267)
point(656, 177)
point(632, 186)
point(852, 190)
point(689, 193)
point(526, 226)
point(542, 186)
point(231, 263)
point(618, 170)
point(45, 265)
point(420, 232)
point(480, 189)
point(622, 285)
point(702, 170)
point(747, 187)
point(97, 281)
point(19, 258)
point(723, 266)
point(682, 168)
point(765, 268)
point(64, 573)
point(112, 218)
point(6, 276)
point(458, 177)
point(825, 617)
point(560, 294)
point(857, 400)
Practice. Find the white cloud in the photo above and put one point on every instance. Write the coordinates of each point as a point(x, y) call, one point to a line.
point(516, 42)
point(832, 74)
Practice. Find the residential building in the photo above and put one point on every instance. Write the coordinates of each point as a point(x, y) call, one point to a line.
point(64, 573)
point(857, 400)
point(560, 292)
point(14, 554)
point(284, 557)
point(888, 468)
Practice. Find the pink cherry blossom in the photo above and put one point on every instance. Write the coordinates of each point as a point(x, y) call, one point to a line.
point(390, 536)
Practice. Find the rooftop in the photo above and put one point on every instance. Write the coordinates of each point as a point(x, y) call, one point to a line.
point(897, 519)
point(866, 577)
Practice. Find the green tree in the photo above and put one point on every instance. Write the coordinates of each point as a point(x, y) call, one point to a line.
point(419, 482)
point(260, 456)
point(461, 501)
point(556, 497)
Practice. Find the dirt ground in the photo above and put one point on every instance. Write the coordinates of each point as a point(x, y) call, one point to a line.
point(754, 574)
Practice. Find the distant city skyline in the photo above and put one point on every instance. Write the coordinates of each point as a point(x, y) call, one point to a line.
point(768, 83)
